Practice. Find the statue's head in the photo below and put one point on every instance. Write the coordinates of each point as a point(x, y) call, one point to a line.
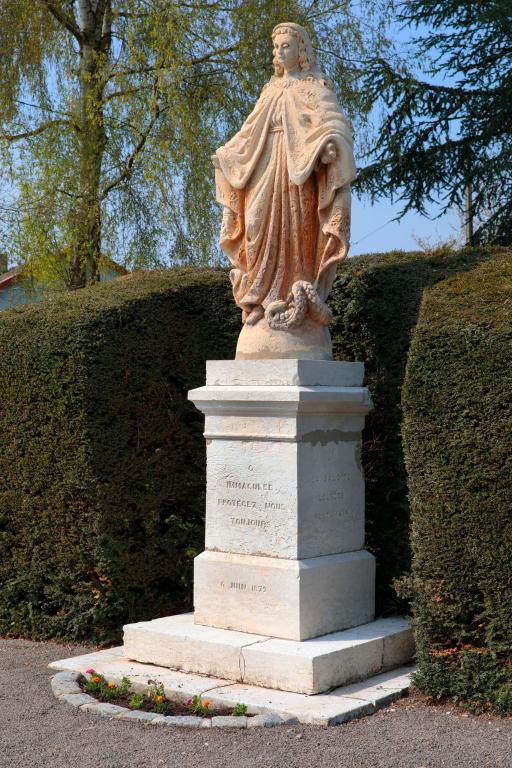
point(292, 48)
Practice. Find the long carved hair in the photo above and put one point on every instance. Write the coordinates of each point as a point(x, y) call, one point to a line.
point(307, 58)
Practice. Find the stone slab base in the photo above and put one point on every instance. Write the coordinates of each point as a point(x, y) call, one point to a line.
point(290, 599)
point(308, 667)
point(331, 708)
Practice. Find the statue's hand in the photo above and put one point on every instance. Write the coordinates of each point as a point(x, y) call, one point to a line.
point(329, 153)
point(215, 161)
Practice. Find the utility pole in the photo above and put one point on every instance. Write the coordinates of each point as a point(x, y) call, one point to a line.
point(468, 212)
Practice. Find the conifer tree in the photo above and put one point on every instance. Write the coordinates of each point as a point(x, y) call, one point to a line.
point(450, 129)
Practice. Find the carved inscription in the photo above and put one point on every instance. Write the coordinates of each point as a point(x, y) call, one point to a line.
point(249, 495)
point(329, 514)
point(331, 477)
point(237, 503)
point(251, 522)
point(274, 505)
point(331, 496)
point(240, 586)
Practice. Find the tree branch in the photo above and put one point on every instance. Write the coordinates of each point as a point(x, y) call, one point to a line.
point(64, 19)
point(127, 15)
point(86, 19)
point(42, 108)
point(212, 54)
point(125, 173)
point(106, 29)
point(68, 194)
point(36, 131)
point(126, 92)
point(158, 67)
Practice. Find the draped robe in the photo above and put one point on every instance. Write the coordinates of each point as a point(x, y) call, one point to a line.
point(286, 214)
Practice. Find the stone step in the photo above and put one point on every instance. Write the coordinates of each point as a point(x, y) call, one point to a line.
point(307, 667)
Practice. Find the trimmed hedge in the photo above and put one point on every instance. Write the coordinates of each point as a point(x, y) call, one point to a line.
point(101, 456)
point(457, 403)
point(376, 301)
point(102, 459)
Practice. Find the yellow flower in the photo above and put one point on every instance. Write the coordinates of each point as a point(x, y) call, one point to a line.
point(111, 685)
point(159, 698)
point(206, 704)
point(95, 679)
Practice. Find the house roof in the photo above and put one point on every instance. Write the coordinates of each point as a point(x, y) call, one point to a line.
point(16, 272)
point(8, 277)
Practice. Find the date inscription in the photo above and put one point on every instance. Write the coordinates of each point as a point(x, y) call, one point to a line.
point(240, 586)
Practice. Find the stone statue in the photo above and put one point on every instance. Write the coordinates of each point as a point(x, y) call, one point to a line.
point(284, 181)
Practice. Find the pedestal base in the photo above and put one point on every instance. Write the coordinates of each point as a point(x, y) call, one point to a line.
point(307, 667)
point(284, 499)
point(290, 599)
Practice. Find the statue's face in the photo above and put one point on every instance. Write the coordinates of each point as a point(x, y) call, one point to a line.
point(286, 52)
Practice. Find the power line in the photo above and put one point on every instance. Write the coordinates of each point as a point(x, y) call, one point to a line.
point(373, 231)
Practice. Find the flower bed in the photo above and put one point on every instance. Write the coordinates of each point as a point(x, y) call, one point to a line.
point(153, 700)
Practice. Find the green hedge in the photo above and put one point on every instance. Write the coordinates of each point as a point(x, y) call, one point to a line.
point(101, 456)
point(102, 476)
point(376, 301)
point(458, 444)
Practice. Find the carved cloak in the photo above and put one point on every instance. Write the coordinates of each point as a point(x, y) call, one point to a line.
point(286, 214)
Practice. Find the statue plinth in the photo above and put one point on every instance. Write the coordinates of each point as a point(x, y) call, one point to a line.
point(285, 500)
point(310, 341)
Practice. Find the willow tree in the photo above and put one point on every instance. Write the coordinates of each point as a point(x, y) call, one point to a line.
point(110, 109)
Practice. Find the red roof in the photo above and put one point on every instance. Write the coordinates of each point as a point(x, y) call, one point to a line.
point(7, 278)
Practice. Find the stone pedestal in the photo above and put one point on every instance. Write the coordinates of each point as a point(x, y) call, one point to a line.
point(284, 576)
point(285, 499)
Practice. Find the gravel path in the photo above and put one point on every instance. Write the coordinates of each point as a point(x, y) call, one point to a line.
point(37, 731)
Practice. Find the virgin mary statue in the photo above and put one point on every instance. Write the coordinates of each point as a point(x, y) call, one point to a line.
point(284, 181)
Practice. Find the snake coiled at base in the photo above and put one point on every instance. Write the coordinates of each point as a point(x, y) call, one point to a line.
point(302, 301)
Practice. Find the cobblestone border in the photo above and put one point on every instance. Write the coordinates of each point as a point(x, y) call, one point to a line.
point(65, 687)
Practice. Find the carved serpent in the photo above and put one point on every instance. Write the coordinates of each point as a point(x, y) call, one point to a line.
point(303, 300)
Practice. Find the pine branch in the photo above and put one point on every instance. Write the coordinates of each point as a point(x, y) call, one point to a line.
point(421, 85)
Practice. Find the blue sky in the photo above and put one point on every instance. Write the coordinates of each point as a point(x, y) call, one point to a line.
point(371, 232)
